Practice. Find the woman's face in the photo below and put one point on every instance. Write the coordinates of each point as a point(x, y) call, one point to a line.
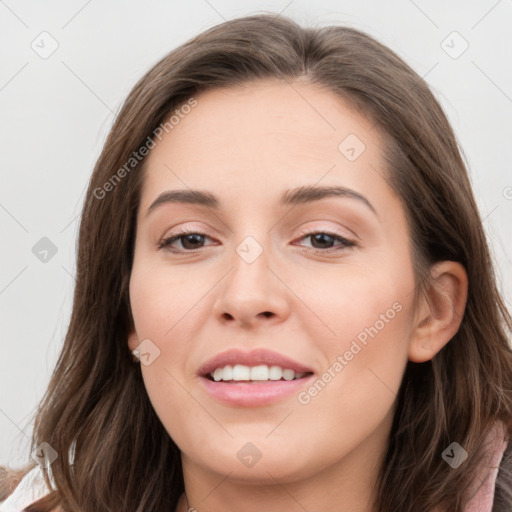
point(263, 274)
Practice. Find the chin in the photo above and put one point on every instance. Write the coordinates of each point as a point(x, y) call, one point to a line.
point(248, 465)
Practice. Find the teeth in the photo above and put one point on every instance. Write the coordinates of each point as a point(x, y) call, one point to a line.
point(288, 374)
point(217, 374)
point(275, 372)
point(227, 372)
point(259, 372)
point(240, 372)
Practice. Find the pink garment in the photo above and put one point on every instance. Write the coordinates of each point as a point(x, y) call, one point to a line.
point(483, 500)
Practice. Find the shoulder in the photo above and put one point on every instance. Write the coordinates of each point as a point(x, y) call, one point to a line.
point(31, 488)
point(503, 494)
point(486, 479)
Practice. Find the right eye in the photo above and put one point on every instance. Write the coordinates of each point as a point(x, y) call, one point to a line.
point(190, 241)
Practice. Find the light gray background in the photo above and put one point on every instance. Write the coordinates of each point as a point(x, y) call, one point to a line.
point(56, 113)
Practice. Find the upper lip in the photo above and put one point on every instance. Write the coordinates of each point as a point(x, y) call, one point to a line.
point(253, 358)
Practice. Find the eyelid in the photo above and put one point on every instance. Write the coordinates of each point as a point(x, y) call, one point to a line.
point(331, 231)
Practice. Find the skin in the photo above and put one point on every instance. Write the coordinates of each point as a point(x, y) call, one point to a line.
point(246, 145)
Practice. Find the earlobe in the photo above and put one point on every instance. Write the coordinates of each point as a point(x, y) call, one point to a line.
point(440, 311)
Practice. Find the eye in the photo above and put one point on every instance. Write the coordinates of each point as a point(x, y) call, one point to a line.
point(322, 241)
point(190, 240)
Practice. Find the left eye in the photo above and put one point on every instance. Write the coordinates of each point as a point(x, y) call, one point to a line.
point(323, 237)
point(192, 240)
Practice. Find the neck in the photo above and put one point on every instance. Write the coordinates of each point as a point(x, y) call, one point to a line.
point(348, 484)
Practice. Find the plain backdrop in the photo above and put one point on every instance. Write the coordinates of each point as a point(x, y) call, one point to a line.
point(67, 66)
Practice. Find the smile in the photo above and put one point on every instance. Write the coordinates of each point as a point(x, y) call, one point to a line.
point(254, 393)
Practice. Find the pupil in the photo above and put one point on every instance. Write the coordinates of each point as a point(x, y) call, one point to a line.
point(187, 238)
point(321, 236)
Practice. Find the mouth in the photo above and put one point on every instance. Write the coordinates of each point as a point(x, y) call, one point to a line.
point(238, 386)
point(256, 378)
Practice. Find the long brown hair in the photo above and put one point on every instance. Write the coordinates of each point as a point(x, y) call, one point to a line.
point(96, 402)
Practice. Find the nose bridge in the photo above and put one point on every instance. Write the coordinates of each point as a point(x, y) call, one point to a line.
point(249, 277)
point(251, 290)
point(252, 252)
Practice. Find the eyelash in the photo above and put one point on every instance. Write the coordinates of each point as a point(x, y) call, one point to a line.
point(346, 244)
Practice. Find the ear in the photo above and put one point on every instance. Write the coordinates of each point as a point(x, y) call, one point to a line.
point(439, 312)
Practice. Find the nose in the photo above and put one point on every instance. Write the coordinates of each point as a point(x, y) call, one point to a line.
point(252, 293)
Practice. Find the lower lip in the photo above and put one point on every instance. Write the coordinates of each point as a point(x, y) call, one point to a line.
point(252, 394)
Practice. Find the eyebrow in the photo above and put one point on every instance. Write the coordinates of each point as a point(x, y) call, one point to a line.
point(291, 197)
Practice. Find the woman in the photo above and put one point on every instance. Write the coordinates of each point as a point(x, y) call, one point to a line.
point(273, 372)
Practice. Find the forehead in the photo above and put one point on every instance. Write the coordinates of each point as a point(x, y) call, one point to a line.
point(264, 137)
point(278, 111)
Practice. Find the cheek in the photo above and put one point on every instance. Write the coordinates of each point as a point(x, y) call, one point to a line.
point(166, 308)
point(356, 393)
point(369, 318)
point(163, 303)
point(163, 313)
point(356, 300)
point(369, 361)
